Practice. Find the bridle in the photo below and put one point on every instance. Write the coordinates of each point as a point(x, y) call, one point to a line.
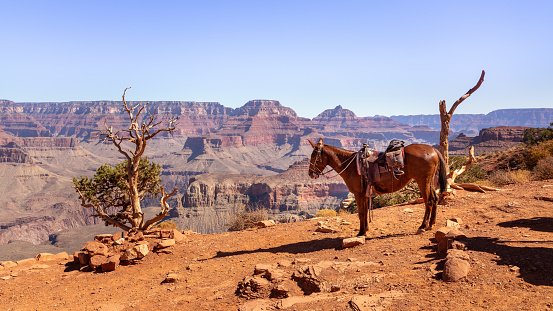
point(319, 158)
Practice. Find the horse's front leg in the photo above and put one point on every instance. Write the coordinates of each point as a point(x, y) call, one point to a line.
point(362, 211)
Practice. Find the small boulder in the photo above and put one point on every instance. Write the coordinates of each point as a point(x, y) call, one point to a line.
point(456, 253)
point(177, 235)
point(95, 248)
point(83, 257)
point(8, 264)
point(104, 238)
point(96, 261)
point(45, 257)
point(326, 229)
point(265, 223)
point(254, 287)
point(139, 251)
point(111, 263)
point(63, 255)
point(451, 223)
point(441, 233)
point(165, 243)
point(455, 269)
point(351, 242)
point(455, 234)
point(171, 278)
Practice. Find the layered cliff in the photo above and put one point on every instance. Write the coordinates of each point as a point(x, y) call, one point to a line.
point(211, 200)
point(488, 140)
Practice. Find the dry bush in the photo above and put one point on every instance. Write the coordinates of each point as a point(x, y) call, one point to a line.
point(167, 225)
point(502, 178)
point(543, 169)
point(326, 213)
point(536, 153)
point(409, 193)
point(247, 216)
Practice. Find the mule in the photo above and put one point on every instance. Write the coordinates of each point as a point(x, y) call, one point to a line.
point(421, 163)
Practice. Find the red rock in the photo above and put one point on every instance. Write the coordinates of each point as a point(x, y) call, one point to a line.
point(83, 258)
point(441, 233)
point(351, 242)
point(95, 248)
point(177, 235)
point(165, 243)
point(45, 257)
point(63, 255)
point(111, 264)
point(96, 261)
point(265, 223)
point(455, 269)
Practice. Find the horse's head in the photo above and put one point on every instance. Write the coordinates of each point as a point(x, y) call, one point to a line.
point(318, 162)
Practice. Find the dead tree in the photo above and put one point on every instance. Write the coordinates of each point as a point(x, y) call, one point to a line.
point(141, 129)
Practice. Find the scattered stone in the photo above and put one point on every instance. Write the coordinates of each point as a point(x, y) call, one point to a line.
point(96, 261)
point(119, 241)
point(257, 305)
point(458, 220)
point(325, 229)
point(45, 257)
point(456, 253)
point(171, 278)
point(375, 301)
point(254, 287)
point(408, 210)
point(455, 269)
point(135, 237)
point(177, 235)
point(117, 236)
point(351, 242)
point(458, 245)
point(308, 279)
point(139, 251)
point(451, 223)
point(440, 233)
point(7, 277)
point(111, 264)
point(299, 261)
point(27, 261)
point(285, 263)
point(455, 234)
point(8, 264)
point(83, 258)
point(265, 223)
point(63, 255)
point(95, 248)
point(165, 243)
point(514, 269)
point(104, 238)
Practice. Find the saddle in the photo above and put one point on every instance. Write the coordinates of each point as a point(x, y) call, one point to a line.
point(372, 163)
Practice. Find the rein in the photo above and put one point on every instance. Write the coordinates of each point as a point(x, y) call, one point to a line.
point(322, 173)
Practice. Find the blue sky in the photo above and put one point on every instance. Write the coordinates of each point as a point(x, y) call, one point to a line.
point(373, 57)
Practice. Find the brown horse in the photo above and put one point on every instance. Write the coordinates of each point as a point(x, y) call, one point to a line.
point(421, 163)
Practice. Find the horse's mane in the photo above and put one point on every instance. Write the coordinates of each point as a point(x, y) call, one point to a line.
point(342, 151)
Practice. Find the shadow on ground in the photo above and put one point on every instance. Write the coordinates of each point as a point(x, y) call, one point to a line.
point(293, 248)
point(535, 261)
point(543, 224)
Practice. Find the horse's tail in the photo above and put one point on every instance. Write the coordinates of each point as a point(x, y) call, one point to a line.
point(442, 175)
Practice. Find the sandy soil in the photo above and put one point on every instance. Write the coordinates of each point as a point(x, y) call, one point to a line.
point(509, 238)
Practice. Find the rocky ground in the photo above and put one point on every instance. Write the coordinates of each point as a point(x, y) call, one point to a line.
point(509, 239)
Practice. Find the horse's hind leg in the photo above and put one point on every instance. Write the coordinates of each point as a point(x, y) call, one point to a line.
point(425, 193)
point(362, 211)
point(434, 203)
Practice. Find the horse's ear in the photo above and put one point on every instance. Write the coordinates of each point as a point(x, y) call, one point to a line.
point(320, 143)
point(312, 143)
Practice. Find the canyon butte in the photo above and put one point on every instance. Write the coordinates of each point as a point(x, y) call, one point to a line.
point(221, 159)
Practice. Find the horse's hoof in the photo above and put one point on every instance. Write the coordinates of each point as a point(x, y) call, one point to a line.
point(421, 231)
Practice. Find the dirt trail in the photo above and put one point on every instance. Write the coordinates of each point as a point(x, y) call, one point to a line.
point(509, 237)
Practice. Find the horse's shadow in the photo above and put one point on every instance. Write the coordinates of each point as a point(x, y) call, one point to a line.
point(543, 224)
point(292, 248)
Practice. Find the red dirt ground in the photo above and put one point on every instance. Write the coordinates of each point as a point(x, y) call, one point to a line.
point(509, 237)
